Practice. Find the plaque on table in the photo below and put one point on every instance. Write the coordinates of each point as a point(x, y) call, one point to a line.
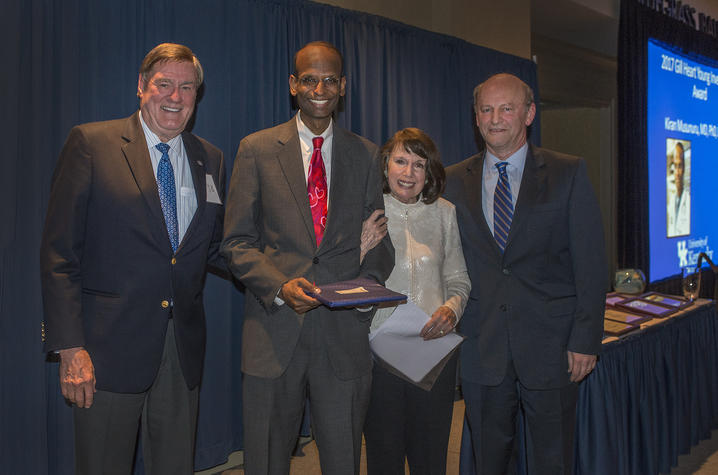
point(613, 298)
point(618, 315)
point(646, 307)
point(669, 300)
point(612, 327)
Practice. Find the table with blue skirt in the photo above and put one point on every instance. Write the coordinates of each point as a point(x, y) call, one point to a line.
point(652, 396)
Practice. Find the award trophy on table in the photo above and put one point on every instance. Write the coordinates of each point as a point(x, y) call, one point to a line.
point(629, 281)
point(691, 283)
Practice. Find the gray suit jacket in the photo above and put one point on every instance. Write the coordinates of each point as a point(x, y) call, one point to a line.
point(269, 239)
point(546, 293)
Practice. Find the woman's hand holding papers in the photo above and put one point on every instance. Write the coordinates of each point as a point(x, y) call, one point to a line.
point(441, 322)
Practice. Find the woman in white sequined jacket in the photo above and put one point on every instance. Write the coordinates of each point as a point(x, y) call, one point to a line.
point(403, 419)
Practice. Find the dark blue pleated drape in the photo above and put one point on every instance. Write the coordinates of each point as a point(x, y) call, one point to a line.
point(73, 61)
point(650, 398)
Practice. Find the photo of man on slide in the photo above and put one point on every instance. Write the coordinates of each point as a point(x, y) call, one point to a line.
point(678, 187)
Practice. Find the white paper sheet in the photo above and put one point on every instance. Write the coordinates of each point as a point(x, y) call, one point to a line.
point(398, 343)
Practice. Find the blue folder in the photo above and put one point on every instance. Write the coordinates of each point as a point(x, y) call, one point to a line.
point(357, 292)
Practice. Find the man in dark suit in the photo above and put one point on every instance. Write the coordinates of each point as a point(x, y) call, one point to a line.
point(134, 217)
point(532, 236)
point(282, 237)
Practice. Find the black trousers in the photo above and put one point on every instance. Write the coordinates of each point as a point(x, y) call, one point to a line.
point(549, 423)
point(406, 421)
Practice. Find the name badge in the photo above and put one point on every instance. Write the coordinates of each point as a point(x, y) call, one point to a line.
point(212, 195)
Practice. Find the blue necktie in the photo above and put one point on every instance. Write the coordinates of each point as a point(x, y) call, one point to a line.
point(503, 207)
point(168, 194)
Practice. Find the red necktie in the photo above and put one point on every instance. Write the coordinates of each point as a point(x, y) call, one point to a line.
point(317, 189)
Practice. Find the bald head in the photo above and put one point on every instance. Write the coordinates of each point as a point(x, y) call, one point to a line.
point(507, 79)
point(314, 46)
point(317, 84)
point(504, 106)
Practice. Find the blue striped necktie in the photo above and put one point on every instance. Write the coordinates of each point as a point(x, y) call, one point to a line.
point(168, 194)
point(503, 207)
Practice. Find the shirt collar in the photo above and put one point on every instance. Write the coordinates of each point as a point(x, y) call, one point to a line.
point(152, 138)
point(307, 135)
point(516, 160)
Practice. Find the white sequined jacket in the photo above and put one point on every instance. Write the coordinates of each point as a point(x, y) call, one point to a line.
point(430, 265)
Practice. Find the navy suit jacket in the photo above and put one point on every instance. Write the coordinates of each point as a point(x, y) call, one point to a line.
point(107, 266)
point(546, 293)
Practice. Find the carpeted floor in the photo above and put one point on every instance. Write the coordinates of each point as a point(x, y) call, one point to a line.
point(703, 459)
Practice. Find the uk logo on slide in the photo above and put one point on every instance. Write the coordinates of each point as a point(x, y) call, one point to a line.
point(682, 253)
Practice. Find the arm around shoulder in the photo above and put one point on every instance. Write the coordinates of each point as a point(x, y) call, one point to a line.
point(379, 261)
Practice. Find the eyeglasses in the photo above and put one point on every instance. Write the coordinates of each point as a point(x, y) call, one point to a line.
point(311, 82)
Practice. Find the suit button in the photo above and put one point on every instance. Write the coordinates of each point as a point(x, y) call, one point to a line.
point(173, 261)
point(315, 260)
point(165, 304)
point(504, 307)
point(506, 271)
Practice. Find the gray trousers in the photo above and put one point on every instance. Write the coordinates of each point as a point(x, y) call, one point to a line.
point(273, 410)
point(106, 433)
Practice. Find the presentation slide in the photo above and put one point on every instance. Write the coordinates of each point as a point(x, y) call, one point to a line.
point(682, 112)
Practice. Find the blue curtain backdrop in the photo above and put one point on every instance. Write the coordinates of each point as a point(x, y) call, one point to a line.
point(73, 61)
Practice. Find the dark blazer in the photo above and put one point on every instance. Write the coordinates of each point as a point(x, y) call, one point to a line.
point(546, 293)
point(269, 239)
point(108, 270)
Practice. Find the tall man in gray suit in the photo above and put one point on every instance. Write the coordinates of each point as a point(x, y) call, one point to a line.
point(297, 198)
point(533, 241)
point(135, 216)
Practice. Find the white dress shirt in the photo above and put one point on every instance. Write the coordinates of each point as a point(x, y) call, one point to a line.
point(184, 185)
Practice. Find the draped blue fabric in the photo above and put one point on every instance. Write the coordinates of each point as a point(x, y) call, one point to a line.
point(77, 61)
point(651, 397)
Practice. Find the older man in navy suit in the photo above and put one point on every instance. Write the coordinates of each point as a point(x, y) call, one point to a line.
point(134, 218)
point(533, 241)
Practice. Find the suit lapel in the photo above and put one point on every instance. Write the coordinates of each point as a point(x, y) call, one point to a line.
point(342, 160)
point(138, 159)
point(196, 158)
point(290, 160)
point(532, 182)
